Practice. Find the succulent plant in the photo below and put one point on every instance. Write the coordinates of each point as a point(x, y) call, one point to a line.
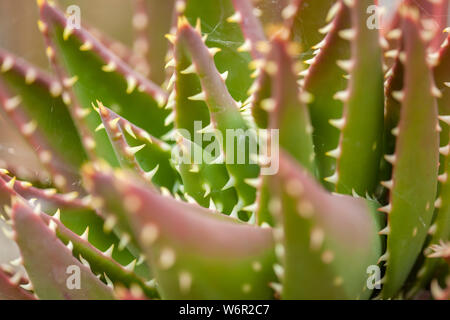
point(358, 208)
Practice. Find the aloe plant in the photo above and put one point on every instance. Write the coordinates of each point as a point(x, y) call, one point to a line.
point(357, 208)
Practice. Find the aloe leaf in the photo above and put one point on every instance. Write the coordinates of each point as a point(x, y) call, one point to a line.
point(414, 179)
point(324, 242)
point(322, 80)
point(360, 147)
point(152, 19)
point(201, 181)
point(49, 198)
point(226, 36)
point(186, 84)
point(77, 216)
point(224, 111)
point(138, 150)
point(309, 17)
point(49, 262)
point(10, 288)
point(289, 115)
point(203, 255)
point(394, 85)
point(251, 27)
point(247, 17)
point(94, 66)
point(204, 182)
point(441, 67)
point(33, 102)
point(435, 13)
point(439, 231)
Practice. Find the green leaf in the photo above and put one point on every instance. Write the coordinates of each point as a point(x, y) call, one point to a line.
point(310, 17)
point(33, 102)
point(323, 79)
point(138, 150)
point(324, 243)
point(360, 147)
point(116, 84)
point(226, 36)
point(225, 114)
point(414, 179)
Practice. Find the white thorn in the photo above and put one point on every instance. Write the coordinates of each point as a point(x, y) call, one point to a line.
point(337, 123)
point(230, 183)
point(198, 97)
point(385, 231)
point(109, 252)
point(332, 179)
point(130, 267)
point(85, 235)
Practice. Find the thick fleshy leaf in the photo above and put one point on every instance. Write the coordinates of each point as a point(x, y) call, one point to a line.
point(204, 182)
point(50, 263)
point(414, 179)
point(49, 199)
point(138, 150)
point(33, 102)
point(116, 84)
point(394, 84)
point(360, 147)
point(323, 79)
point(439, 230)
point(288, 114)
point(186, 85)
point(310, 16)
point(251, 27)
point(324, 242)
point(76, 214)
point(442, 79)
point(225, 115)
point(435, 17)
point(196, 253)
point(226, 36)
point(201, 181)
point(152, 19)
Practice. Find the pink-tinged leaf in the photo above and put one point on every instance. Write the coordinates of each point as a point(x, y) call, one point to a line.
point(196, 253)
point(49, 199)
point(32, 101)
point(101, 263)
point(138, 150)
point(251, 27)
point(324, 242)
point(52, 269)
